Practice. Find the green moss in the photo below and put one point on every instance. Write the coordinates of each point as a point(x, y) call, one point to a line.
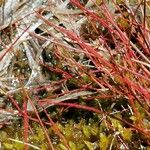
point(126, 134)
point(90, 146)
point(79, 135)
point(72, 145)
point(8, 146)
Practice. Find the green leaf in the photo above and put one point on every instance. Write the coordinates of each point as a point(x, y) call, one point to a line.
point(86, 131)
point(72, 145)
point(62, 147)
point(8, 146)
point(104, 141)
point(89, 145)
point(126, 134)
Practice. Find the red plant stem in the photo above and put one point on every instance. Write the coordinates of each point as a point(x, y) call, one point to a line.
point(75, 37)
point(25, 120)
point(14, 102)
point(78, 106)
point(56, 129)
point(40, 121)
point(58, 70)
point(11, 47)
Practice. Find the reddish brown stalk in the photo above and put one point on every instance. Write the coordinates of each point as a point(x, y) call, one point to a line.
point(141, 130)
point(56, 129)
point(36, 120)
point(14, 102)
point(11, 46)
point(109, 19)
point(74, 37)
point(58, 70)
point(26, 123)
point(135, 73)
point(115, 73)
point(25, 116)
point(40, 121)
point(78, 106)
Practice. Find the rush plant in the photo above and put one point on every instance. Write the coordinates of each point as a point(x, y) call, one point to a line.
point(83, 80)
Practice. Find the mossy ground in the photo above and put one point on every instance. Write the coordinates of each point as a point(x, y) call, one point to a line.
point(82, 130)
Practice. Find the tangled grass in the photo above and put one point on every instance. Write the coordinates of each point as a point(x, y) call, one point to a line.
point(75, 74)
